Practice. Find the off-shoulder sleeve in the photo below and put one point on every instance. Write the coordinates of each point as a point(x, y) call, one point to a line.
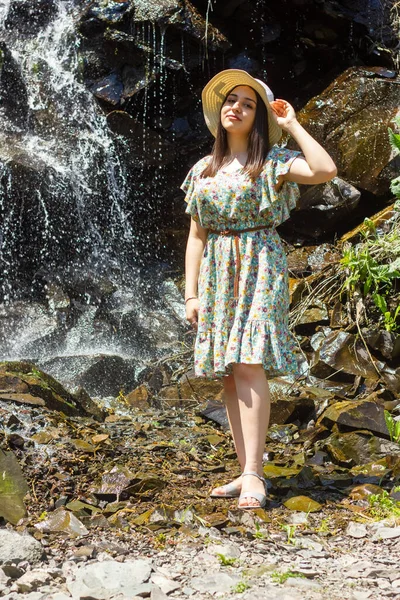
point(278, 198)
point(189, 187)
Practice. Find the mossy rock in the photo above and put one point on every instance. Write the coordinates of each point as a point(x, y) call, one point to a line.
point(40, 385)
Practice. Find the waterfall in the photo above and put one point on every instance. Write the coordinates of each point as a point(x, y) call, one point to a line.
point(78, 209)
point(74, 296)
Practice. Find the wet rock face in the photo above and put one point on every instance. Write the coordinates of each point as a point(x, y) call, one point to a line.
point(323, 208)
point(30, 15)
point(13, 93)
point(350, 118)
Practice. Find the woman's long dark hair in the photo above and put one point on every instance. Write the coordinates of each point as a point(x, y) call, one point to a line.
point(258, 145)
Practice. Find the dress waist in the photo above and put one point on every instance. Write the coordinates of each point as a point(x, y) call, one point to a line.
point(236, 233)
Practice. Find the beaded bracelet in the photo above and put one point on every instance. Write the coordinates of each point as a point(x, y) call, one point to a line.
point(191, 298)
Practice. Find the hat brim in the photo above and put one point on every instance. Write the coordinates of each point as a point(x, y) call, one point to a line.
point(216, 90)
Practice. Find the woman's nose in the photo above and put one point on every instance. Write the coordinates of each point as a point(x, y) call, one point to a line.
point(236, 105)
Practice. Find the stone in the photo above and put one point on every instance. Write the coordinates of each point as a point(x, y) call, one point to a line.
point(158, 594)
point(158, 150)
point(13, 88)
point(386, 533)
point(89, 406)
point(214, 583)
point(302, 583)
point(342, 351)
point(356, 414)
point(139, 397)
point(361, 594)
point(4, 579)
point(227, 550)
point(12, 571)
point(165, 584)
point(103, 580)
point(356, 530)
point(321, 210)
point(184, 17)
point(15, 548)
point(386, 342)
point(191, 386)
point(41, 385)
point(13, 488)
point(303, 504)
point(353, 448)
point(63, 521)
point(32, 580)
point(99, 374)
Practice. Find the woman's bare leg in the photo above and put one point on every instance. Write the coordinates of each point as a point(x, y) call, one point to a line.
point(254, 410)
point(233, 412)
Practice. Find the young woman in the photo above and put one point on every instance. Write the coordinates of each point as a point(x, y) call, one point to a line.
point(236, 273)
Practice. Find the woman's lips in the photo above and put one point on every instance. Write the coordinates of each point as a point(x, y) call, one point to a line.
point(234, 118)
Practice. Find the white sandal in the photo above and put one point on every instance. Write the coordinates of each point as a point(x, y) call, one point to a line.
point(230, 490)
point(261, 498)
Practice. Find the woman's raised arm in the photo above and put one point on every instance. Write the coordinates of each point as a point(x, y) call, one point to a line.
point(316, 166)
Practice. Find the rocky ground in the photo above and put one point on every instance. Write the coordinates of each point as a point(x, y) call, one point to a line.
point(121, 509)
point(357, 563)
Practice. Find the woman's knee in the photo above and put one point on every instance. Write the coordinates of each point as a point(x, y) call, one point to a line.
point(248, 372)
point(229, 384)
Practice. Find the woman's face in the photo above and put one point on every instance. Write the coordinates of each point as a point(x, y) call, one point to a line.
point(238, 112)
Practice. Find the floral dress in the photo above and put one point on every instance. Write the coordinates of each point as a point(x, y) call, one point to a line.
point(252, 327)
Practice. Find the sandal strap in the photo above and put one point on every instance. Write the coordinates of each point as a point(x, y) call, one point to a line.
point(256, 495)
point(254, 474)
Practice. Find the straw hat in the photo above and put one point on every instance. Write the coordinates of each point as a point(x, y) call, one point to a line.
point(216, 90)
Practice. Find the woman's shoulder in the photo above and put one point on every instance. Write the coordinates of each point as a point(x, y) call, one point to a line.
point(278, 155)
point(200, 165)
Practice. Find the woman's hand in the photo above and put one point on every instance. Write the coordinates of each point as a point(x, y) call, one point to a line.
point(283, 113)
point(192, 312)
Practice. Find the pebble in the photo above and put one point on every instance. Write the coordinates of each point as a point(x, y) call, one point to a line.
point(32, 580)
point(386, 533)
point(356, 530)
point(166, 585)
point(218, 582)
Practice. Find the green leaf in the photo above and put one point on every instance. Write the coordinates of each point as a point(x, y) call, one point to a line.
point(395, 187)
point(380, 302)
point(394, 139)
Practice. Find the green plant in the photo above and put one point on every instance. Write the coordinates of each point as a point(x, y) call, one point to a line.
point(258, 534)
point(226, 561)
point(290, 532)
point(366, 271)
point(282, 577)
point(160, 540)
point(393, 427)
point(389, 319)
point(383, 506)
point(323, 526)
point(240, 587)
